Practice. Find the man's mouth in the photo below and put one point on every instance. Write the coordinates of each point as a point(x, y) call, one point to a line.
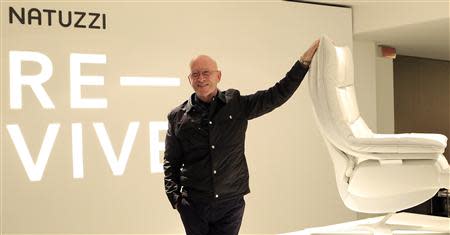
point(202, 85)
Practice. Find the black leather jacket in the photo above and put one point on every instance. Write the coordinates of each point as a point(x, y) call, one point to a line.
point(204, 155)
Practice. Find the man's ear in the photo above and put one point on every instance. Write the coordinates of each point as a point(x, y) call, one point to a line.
point(219, 76)
point(190, 82)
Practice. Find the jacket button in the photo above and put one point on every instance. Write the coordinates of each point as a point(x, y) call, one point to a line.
point(215, 172)
point(213, 147)
point(210, 122)
point(217, 195)
point(231, 117)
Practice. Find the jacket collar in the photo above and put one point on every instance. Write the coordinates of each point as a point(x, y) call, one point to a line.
point(190, 102)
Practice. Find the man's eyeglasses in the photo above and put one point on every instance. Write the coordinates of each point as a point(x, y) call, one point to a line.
point(205, 74)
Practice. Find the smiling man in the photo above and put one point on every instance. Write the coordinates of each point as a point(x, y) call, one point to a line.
point(206, 173)
point(204, 77)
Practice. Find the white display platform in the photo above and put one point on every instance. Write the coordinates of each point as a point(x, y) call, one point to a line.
point(400, 223)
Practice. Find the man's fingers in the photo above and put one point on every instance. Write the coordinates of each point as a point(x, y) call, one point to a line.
point(311, 51)
point(313, 48)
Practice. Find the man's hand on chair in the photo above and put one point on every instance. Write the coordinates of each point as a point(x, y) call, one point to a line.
point(306, 58)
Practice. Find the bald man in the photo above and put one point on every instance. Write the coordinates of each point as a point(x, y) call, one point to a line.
point(206, 174)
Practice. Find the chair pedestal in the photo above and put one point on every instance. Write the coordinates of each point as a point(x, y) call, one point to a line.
point(384, 228)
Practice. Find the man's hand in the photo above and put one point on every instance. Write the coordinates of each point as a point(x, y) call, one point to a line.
point(309, 54)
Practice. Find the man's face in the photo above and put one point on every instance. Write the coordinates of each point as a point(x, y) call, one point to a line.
point(204, 76)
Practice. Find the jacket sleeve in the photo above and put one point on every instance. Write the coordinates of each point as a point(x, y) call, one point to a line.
point(172, 164)
point(264, 101)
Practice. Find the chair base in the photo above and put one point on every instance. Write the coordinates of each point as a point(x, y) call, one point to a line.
point(391, 224)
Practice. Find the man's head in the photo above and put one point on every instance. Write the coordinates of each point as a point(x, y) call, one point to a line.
point(204, 77)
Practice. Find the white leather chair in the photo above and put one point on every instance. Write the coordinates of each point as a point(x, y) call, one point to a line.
point(375, 173)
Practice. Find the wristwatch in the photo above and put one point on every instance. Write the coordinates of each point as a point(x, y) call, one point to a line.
point(304, 62)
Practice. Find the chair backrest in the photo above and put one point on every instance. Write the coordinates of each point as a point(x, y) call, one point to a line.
point(331, 86)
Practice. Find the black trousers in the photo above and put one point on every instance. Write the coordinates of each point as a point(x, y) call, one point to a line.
point(212, 218)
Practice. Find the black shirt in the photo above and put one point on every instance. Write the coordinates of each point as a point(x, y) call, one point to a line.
point(204, 155)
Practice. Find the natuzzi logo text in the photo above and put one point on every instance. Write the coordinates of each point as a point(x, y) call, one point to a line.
point(52, 17)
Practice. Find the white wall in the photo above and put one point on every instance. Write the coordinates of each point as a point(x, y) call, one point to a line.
point(385, 95)
point(364, 59)
point(374, 86)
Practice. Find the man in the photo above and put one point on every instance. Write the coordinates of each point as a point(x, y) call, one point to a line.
point(206, 174)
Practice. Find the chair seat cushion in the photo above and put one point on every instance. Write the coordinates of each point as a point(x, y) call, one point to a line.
point(401, 143)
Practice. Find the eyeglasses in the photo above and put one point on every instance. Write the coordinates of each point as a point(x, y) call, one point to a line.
point(205, 74)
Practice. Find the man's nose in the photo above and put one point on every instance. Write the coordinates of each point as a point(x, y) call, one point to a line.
point(201, 77)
